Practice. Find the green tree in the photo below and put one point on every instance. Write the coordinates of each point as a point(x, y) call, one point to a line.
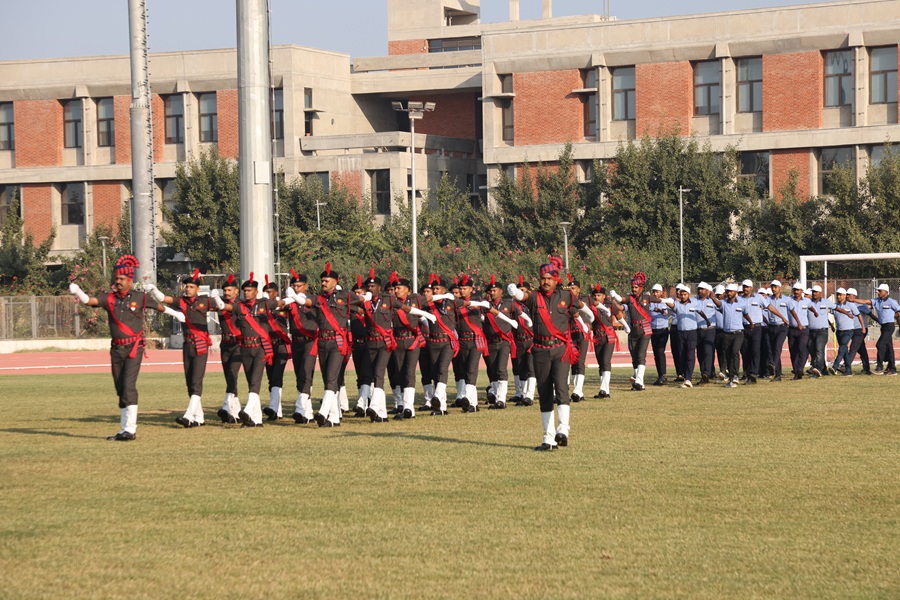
point(22, 264)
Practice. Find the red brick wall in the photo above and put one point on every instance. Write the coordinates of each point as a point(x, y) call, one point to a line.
point(664, 97)
point(39, 133)
point(793, 87)
point(37, 209)
point(546, 111)
point(227, 109)
point(783, 162)
point(352, 181)
point(122, 110)
point(454, 116)
point(158, 108)
point(408, 47)
point(107, 202)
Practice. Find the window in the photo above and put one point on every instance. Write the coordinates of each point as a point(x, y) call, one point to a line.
point(72, 200)
point(877, 153)
point(9, 194)
point(278, 114)
point(755, 168)
point(167, 191)
point(589, 82)
point(309, 111)
point(707, 88)
point(106, 123)
point(7, 127)
point(381, 191)
point(322, 176)
point(839, 78)
point(749, 85)
point(174, 119)
point(830, 160)
point(623, 93)
point(454, 45)
point(883, 75)
point(72, 124)
point(506, 106)
point(209, 120)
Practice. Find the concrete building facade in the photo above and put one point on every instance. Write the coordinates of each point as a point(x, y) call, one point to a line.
point(797, 89)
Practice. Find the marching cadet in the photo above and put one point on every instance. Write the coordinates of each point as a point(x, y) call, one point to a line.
point(638, 303)
point(734, 315)
point(458, 369)
point(472, 342)
point(581, 335)
point(860, 330)
point(410, 342)
point(818, 332)
point(501, 318)
point(846, 318)
point(776, 330)
point(688, 313)
point(706, 332)
point(197, 343)
point(523, 364)
point(282, 351)
point(886, 310)
point(230, 350)
point(751, 345)
point(799, 308)
point(659, 331)
point(304, 348)
point(553, 349)
point(424, 358)
point(362, 364)
point(125, 307)
point(605, 339)
point(443, 343)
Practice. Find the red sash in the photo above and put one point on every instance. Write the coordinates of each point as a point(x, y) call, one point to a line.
point(283, 336)
point(454, 340)
point(139, 336)
point(572, 354)
point(636, 304)
point(507, 336)
point(344, 342)
point(312, 335)
point(387, 334)
point(418, 342)
point(608, 330)
point(480, 340)
point(229, 323)
point(202, 340)
point(522, 325)
point(263, 336)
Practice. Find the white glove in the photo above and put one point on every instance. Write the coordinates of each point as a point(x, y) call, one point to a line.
point(300, 298)
point(75, 289)
point(367, 296)
point(670, 302)
point(423, 314)
point(615, 296)
point(447, 296)
point(154, 292)
point(514, 291)
point(214, 293)
point(289, 301)
point(587, 312)
point(480, 303)
point(581, 324)
point(217, 301)
point(175, 314)
point(602, 308)
point(527, 320)
point(626, 327)
point(512, 322)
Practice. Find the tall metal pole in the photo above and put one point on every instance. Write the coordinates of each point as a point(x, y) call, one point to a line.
point(143, 211)
point(255, 152)
point(414, 207)
point(681, 191)
point(565, 226)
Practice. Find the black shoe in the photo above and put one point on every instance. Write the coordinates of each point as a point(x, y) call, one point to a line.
point(576, 398)
point(184, 422)
point(704, 378)
point(377, 419)
point(270, 413)
point(299, 419)
point(122, 436)
point(770, 369)
point(797, 377)
point(497, 406)
point(637, 387)
point(546, 447)
point(598, 395)
point(659, 382)
point(245, 418)
point(464, 404)
point(515, 399)
point(426, 406)
point(320, 419)
point(561, 439)
point(472, 408)
point(527, 402)
point(776, 378)
point(751, 380)
point(395, 411)
point(225, 416)
point(435, 405)
point(196, 424)
point(868, 372)
point(408, 414)
point(438, 413)
point(457, 403)
point(398, 417)
point(325, 423)
point(603, 394)
point(359, 411)
point(679, 379)
point(251, 424)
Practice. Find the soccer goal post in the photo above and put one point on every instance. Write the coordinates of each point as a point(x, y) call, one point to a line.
point(824, 258)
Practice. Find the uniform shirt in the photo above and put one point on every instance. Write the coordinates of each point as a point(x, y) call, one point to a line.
point(733, 315)
point(823, 306)
point(705, 307)
point(338, 303)
point(282, 320)
point(400, 329)
point(302, 319)
point(257, 310)
point(445, 311)
point(195, 310)
point(464, 325)
point(782, 306)
point(634, 316)
point(229, 325)
point(863, 310)
point(885, 309)
point(380, 313)
point(507, 308)
point(843, 322)
point(559, 307)
point(603, 320)
point(128, 309)
point(755, 304)
point(659, 320)
point(524, 331)
point(688, 314)
point(577, 332)
point(801, 307)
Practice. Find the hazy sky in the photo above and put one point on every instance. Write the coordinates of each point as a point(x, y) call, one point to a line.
point(60, 28)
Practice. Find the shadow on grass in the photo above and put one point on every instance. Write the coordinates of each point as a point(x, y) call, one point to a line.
point(431, 438)
point(49, 432)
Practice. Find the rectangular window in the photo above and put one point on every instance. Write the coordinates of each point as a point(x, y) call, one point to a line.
point(883, 75)
point(106, 123)
point(830, 160)
point(72, 200)
point(7, 127)
point(623, 93)
point(209, 119)
point(308, 111)
point(278, 114)
point(167, 192)
point(8, 195)
point(839, 78)
point(506, 106)
point(454, 45)
point(755, 168)
point(589, 82)
point(749, 85)
point(72, 124)
point(322, 176)
point(381, 191)
point(174, 119)
point(707, 88)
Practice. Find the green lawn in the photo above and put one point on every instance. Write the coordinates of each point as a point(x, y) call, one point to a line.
point(786, 490)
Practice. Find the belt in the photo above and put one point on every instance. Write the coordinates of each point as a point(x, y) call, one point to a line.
point(660, 329)
point(495, 339)
point(542, 341)
point(818, 329)
point(229, 339)
point(124, 341)
point(468, 336)
point(326, 335)
point(733, 332)
point(408, 336)
point(437, 339)
point(253, 342)
point(524, 338)
point(782, 325)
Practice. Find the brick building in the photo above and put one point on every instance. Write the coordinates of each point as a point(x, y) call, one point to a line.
point(800, 88)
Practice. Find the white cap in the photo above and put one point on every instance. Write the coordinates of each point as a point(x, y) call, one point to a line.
point(817, 288)
point(720, 289)
point(798, 285)
point(884, 287)
point(704, 286)
point(731, 287)
point(656, 288)
point(746, 283)
point(764, 291)
point(852, 291)
point(840, 291)
point(808, 292)
point(775, 282)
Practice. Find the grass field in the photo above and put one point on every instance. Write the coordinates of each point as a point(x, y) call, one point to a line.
point(786, 490)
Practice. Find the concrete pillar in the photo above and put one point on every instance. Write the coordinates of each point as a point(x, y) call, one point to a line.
point(547, 11)
point(513, 10)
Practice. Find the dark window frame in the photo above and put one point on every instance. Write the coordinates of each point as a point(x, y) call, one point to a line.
point(844, 96)
point(749, 82)
point(885, 76)
point(278, 114)
point(68, 207)
point(7, 193)
point(711, 92)
point(308, 112)
point(760, 179)
point(629, 94)
point(591, 110)
point(209, 121)
point(508, 115)
point(174, 122)
point(8, 141)
point(106, 126)
point(828, 164)
point(72, 126)
point(381, 198)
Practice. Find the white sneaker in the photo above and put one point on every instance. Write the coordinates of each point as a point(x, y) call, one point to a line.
point(687, 384)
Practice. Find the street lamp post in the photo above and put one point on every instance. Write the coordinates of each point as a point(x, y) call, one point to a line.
point(565, 225)
point(415, 110)
point(103, 240)
point(681, 192)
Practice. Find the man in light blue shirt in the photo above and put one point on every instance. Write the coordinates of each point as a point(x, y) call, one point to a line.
point(800, 308)
point(688, 314)
point(659, 325)
point(818, 331)
point(860, 331)
point(734, 314)
point(756, 306)
point(886, 310)
point(706, 332)
point(776, 330)
point(846, 319)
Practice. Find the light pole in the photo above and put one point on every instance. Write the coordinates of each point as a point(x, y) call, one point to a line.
point(103, 239)
point(318, 218)
point(415, 110)
point(681, 192)
point(565, 226)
